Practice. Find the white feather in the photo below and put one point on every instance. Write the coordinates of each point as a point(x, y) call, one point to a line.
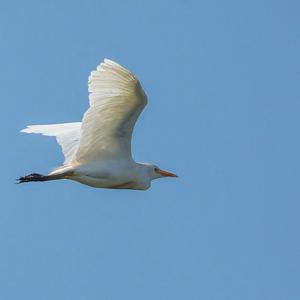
point(67, 136)
point(116, 100)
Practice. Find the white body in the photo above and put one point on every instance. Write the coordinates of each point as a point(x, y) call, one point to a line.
point(98, 150)
point(113, 174)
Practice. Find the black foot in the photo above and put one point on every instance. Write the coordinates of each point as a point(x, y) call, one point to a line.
point(32, 177)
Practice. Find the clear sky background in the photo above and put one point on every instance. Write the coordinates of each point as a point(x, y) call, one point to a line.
point(222, 79)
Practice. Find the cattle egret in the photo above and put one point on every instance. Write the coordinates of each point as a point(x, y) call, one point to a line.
point(98, 150)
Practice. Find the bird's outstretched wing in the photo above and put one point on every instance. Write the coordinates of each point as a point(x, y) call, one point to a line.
point(116, 100)
point(67, 136)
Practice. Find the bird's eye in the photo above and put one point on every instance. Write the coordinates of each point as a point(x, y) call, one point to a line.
point(155, 169)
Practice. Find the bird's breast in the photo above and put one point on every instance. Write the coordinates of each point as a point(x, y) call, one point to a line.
point(114, 175)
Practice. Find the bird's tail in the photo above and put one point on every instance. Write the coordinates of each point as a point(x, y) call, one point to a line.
point(37, 177)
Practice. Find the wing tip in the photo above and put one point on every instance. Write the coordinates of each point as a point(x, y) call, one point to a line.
point(113, 64)
point(109, 61)
point(26, 129)
point(32, 129)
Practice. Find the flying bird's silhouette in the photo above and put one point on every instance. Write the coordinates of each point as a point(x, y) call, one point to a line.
point(98, 150)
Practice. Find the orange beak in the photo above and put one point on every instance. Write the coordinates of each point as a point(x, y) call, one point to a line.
point(165, 173)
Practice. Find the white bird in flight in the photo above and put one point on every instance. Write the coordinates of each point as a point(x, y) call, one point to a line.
point(98, 150)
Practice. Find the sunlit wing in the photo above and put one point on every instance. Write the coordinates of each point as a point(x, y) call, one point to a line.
point(116, 100)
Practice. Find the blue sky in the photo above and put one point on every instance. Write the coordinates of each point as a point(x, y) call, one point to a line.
point(222, 78)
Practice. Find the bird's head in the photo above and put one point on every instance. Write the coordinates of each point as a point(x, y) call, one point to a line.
point(156, 172)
